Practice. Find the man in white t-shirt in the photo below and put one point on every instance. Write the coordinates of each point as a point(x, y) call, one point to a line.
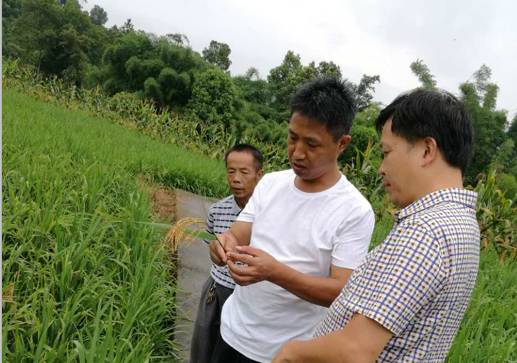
point(298, 239)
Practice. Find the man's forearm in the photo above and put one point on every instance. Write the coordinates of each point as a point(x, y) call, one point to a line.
point(329, 348)
point(315, 289)
point(241, 232)
point(360, 341)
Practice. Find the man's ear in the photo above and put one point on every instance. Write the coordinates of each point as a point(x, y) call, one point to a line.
point(430, 150)
point(343, 143)
point(260, 174)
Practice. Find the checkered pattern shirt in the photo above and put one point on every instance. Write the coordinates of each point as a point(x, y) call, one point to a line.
point(221, 216)
point(418, 282)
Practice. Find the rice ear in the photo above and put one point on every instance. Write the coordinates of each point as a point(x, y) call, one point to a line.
point(180, 233)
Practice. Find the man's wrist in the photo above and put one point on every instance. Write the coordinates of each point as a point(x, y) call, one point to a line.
point(276, 272)
point(290, 351)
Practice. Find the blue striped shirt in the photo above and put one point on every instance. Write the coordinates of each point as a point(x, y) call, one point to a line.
point(221, 216)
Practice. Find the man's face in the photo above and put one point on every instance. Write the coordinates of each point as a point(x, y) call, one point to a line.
point(399, 168)
point(242, 174)
point(311, 149)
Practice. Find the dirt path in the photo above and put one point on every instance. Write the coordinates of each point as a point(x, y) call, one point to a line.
point(193, 263)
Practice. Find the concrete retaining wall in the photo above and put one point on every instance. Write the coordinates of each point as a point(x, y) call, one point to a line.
point(193, 269)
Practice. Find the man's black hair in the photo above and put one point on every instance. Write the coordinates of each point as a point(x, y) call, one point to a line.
point(257, 155)
point(328, 101)
point(423, 113)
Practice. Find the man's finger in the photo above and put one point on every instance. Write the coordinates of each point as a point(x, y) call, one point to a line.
point(252, 251)
point(241, 257)
point(214, 256)
point(217, 253)
point(221, 252)
point(239, 270)
point(242, 280)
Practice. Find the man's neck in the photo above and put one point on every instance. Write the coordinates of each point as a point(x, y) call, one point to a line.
point(446, 179)
point(241, 202)
point(320, 184)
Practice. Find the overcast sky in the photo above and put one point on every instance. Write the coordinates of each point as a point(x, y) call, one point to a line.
point(453, 37)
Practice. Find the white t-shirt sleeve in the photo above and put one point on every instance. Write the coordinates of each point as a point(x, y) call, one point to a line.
point(352, 240)
point(252, 207)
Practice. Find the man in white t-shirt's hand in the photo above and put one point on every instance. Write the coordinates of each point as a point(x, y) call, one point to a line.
point(301, 234)
point(218, 254)
point(258, 265)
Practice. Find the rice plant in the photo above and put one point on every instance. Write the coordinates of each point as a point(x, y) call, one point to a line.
point(86, 280)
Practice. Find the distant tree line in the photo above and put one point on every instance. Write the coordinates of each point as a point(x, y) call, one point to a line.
point(61, 39)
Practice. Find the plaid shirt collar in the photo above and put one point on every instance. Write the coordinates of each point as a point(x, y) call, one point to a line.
point(454, 195)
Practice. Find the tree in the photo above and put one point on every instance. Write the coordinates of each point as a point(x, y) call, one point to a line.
point(364, 91)
point(486, 90)
point(479, 97)
point(218, 54)
point(128, 27)
point(361, 137)
point(152, 66)
point(178, 39)
point(286, 78)
point(368, 115)
point(328, 70)
point(503, 155)
point(59, 39)
point(252, 74)
point(213, 97)
point(511, 134)
point(512, 131)
point(11, 10)
point(482, 78)
point(423, 73)
point(98, 15)
point(122, 63)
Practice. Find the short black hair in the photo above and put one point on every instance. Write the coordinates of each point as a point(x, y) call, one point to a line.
point(328, 101)
point(257, 155)
point(422, 113)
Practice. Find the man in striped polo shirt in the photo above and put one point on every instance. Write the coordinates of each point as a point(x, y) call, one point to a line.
point(243, 170)
point(406, 301)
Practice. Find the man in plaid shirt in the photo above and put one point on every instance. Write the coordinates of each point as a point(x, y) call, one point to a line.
point(406, 301)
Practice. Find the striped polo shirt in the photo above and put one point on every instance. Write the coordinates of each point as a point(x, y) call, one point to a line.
point(418, 282)
point(221, 216)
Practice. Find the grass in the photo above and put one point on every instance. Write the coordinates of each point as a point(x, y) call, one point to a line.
point(488, 332)
point(78, 133)
point(89, 282)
